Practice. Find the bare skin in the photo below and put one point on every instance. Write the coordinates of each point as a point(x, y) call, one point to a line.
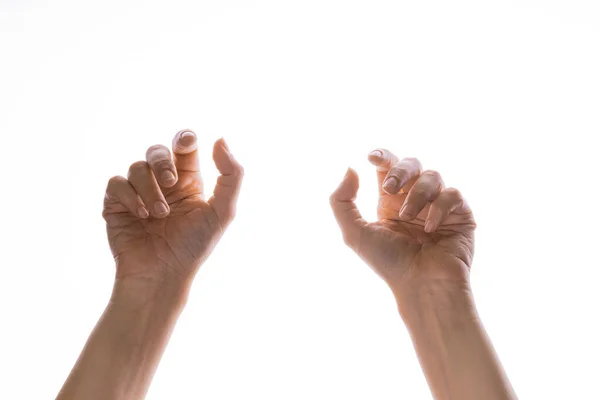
point(422, 246)
point(160, 229)
point(159, 223)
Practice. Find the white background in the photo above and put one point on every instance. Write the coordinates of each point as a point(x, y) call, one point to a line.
point(502, 97)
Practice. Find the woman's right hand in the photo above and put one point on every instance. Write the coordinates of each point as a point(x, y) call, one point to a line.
point(424, 235)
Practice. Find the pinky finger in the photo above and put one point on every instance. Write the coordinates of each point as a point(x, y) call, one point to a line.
point(448, 201)
point(119, 192)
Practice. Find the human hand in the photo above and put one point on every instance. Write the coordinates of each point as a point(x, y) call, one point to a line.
point(160, 227)
point(430, 243)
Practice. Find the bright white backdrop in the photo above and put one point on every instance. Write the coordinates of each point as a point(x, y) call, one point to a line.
point(502, 97)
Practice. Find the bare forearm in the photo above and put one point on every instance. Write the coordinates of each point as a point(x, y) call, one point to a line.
point(122, 353)
point(456, 354)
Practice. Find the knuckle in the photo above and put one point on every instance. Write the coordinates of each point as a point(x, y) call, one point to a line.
point(454, 193)
point(388, 158)
point(352, 238)
point(112, 187)
point(156, 148)
point(397, 171)
point(138, 165)
point(419, 191)
point(348, 239)
point(105, 216)
point(332, 199)
point(162, 164)
point(434, 174)
point(116, 180)
point(157, 153)
point(412, 161)
point(238, 170)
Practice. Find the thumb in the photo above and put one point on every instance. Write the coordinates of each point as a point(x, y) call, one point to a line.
point(347, 215)
point(228, 185)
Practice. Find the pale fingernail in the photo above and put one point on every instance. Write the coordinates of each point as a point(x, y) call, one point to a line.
point(168, 176)
point(376, 156)
point(407, 211)
point(390, 184)
point(185, 142)
point(142, 212)
point(429, 226)
point(160, 208)
point(187, 138)
point(187, 134)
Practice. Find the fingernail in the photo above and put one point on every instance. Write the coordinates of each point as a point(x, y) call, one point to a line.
point(142, 212)
point(188, 134)
point(407, 212)
point(187, 138)
point(429, 225)
point(376, 156)
point(160, 208)
point(390, 184)
point(168, 176)
point(184, 142)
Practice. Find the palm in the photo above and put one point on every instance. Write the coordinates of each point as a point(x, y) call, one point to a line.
point(175, 243)
point(397, 249)
point(157, 219)
point(424, 231)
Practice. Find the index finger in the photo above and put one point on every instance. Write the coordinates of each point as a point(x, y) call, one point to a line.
point(392, 174)
point(384, 160)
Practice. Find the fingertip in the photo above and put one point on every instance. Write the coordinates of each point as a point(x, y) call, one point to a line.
point(391, 185)
point(220, 146)
point(376, 157)
point(168, 179)
point(430, 226)
point(185, 141)
point(225, 162)
point(348, 188)
point(143, 212)
point(351, 177)
point(404, 217)
point(161, 210)
point(224, 144)
point(187, 138)
point(407, 213)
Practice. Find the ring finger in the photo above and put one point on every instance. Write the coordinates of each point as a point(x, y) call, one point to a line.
point(426, 189)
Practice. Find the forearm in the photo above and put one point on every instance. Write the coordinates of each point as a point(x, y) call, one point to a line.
point(124, 349)
point(456, 354)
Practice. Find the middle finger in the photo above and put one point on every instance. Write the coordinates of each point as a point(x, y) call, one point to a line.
point(143, 181)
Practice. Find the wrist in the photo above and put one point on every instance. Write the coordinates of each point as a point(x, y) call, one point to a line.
point(141, 292)
point(440, 297)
